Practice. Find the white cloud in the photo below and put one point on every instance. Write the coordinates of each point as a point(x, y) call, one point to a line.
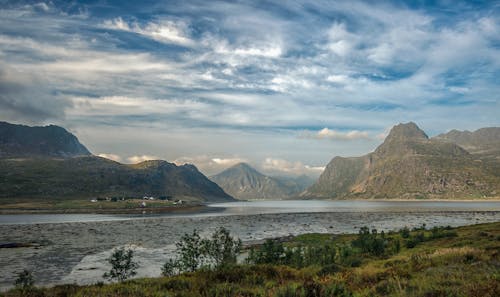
point(113, 157)
point(210, 165)
point(275, 166)
point(122, 105)
point(341, 42)
point(165, 31)
point(338, 78)
point(141, 158)
point(326, 133)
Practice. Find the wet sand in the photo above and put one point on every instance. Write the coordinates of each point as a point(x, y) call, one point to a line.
point(75, 252)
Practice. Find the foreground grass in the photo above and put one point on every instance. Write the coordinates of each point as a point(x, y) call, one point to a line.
point(465, 264)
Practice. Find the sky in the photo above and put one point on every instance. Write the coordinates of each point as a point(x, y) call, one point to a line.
point(282, 85)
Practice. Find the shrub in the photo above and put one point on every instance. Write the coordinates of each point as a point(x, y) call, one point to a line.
point(24, 280)
point(189, 250)
point(221, 249)
point(123, 266)
point(193, 252)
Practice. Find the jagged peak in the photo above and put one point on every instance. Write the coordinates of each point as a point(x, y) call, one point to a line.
point(406, 131)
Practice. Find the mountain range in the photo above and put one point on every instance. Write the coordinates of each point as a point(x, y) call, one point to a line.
point(244, 182)
point(409, 164)
point(49, 162)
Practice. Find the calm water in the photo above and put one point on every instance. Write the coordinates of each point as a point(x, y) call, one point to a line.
point(270, 207)
point(74, 248)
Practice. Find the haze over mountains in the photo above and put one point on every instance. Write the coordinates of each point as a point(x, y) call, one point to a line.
point(244, 182)
point(409, 164)
point(49, 162)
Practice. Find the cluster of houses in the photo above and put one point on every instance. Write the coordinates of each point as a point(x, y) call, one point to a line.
point(142, 204)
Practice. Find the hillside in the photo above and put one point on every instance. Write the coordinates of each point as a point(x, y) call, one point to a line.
point(484, 142)
point(409, 165)
point(19, 141)
point(46, 163)
point(244, 182)
point(88, 177)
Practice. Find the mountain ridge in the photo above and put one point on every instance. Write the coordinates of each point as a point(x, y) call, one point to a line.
point(19, 141)
point(244, 182)
point(61, 167)
point(408, 164)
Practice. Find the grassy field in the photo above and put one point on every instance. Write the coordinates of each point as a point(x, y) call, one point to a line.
point(462, 261)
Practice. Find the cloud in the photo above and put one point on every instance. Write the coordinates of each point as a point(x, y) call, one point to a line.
point(326, 133)
point(165, 31)
point(283, 167)
point(25, 97)
point(141, 158)
point(210, 165)
point(341, 42)
point(113, 157)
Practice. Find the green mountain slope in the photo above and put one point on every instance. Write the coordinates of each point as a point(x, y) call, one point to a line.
point(87, 177)
point(42, 163)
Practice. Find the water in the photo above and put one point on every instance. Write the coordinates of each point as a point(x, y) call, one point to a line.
point(268, 207)
point(74, 248)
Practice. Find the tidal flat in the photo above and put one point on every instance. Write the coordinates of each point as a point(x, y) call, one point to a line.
point(76, 252)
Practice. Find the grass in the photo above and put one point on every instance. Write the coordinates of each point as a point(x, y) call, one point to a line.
point(461, 261)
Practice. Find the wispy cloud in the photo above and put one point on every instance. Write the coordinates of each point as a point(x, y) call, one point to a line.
point(243, 80)
point(275, 166)
point(210, 165)
point(113, 157)
point(141, 158)
point(326, 133)
point(166, 31)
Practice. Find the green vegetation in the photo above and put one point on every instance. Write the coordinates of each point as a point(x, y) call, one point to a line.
point(420, 262)
point(122, 265)
point(84, 178)
point(193, 253)
point(24, 281)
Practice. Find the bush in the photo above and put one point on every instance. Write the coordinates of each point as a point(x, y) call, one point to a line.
point(24, 280)
point(221, 249)
point(123, 266)
point(193, 252)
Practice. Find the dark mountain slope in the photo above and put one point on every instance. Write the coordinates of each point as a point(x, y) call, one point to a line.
point(19, 141)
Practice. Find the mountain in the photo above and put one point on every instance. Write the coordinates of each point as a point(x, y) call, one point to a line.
point(484, 142)
point(408, 164)
point(90, 176)
point(19, 141)
point(50, 163)
point(244, 182)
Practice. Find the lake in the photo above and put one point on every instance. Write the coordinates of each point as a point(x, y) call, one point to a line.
point(74, 248)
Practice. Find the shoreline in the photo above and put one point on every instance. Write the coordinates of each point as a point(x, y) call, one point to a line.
point(204, 208)
point(195, 209)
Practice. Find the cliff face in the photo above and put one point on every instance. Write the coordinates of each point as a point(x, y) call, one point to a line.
point(19, 141)
point(408, 165)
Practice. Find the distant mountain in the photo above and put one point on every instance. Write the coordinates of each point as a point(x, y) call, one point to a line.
point(296, 184)
point(484, 142)
point(244, 182)
point(49, 162)
point(409, 165)
point(18, 141)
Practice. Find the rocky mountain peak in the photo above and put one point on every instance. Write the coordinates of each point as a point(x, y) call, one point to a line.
point(404, 132)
